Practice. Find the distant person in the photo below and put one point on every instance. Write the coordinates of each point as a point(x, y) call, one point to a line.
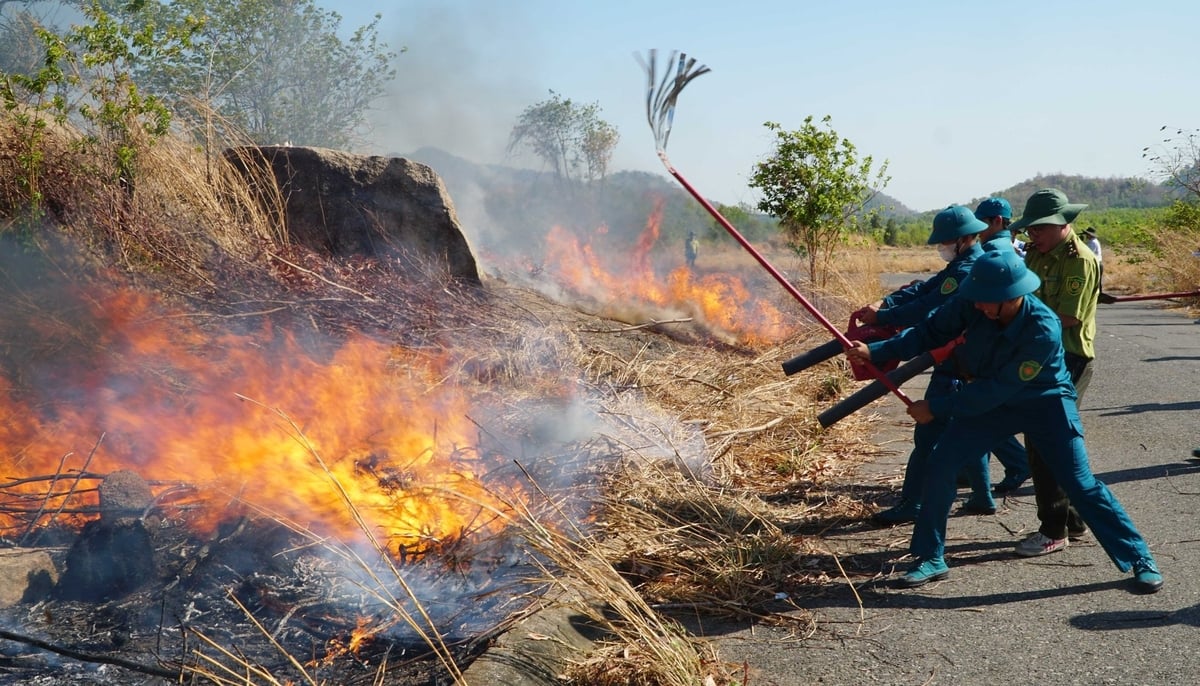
point(1013, 354)
point(997, 214)
point(1070, 286)
point(1091, 240)
point(690, 247)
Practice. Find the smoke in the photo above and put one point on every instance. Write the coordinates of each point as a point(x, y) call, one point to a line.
point(455, 87)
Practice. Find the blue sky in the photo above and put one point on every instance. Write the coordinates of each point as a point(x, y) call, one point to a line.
point(961, 98)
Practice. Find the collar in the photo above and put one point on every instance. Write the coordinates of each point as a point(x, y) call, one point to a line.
point(973, 253)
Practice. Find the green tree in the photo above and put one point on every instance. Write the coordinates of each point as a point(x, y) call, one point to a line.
point(86, 75)
point(274, 70)
point(572, 139)
point(817, 186)
point(890, 232)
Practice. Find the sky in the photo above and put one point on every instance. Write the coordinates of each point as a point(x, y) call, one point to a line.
point(961, 98)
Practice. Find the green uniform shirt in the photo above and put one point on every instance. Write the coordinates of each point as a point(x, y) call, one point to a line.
point(1070, 286)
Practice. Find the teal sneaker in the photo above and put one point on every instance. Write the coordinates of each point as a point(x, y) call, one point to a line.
point(925, 571)
point(1146, 577)
point(903, 513)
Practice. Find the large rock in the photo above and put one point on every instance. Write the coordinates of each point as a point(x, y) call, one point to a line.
point(113, 555)
point(25, 575)
point(347, 204)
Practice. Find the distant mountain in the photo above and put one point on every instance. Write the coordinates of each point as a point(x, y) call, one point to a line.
point(1098, 193)
point(890, 207)
point(505, 198)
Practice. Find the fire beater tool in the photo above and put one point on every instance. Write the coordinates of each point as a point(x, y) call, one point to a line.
point(1157, 296)
point(857, 331)
point(661, 97)
point(875, 390)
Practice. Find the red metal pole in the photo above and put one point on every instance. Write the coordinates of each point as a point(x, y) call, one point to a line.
point(1160, 296)
point(841, 337)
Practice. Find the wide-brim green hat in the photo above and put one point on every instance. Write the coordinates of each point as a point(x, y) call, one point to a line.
point(1048, 206)
point(997, 276)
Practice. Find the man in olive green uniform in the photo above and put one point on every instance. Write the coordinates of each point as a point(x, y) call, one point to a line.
point(1071, 287)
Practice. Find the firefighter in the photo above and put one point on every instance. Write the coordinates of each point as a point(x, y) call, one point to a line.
point(955, 232)
point(1019, 383)
point(1070, 278)
point(997, 213)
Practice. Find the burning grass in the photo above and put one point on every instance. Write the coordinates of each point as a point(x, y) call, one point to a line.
point(348, 436)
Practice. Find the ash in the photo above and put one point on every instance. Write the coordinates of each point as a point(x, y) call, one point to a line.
point(256, 595)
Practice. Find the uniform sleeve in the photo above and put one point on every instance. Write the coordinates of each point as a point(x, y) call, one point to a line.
point(927, 298)
point(904, 294)
point(941, 326)
point(1029, 364)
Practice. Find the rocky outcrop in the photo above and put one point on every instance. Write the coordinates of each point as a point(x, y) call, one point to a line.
point(345, 204)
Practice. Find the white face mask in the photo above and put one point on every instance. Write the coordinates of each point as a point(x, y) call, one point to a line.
point(947, 252)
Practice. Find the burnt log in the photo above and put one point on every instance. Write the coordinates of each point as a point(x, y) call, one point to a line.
point(114, 555)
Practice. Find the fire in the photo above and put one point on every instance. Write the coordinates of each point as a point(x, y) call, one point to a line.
point(721, 301)
point(291, 429)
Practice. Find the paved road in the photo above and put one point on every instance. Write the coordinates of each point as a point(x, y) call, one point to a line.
point(1067, 618)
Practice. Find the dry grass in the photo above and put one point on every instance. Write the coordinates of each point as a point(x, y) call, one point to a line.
point(679, 526)
point(1171, 267)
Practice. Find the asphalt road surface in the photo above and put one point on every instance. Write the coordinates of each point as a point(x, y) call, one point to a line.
point(1065, 618)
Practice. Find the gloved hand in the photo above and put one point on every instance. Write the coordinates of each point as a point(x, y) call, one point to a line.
point(1106, 298)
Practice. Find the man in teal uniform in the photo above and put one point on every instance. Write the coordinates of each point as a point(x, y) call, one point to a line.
point(955, 231)
point(997, 214)
point(1070, 286)
point(1013, 355)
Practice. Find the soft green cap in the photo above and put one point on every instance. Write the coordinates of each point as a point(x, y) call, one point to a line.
point(997, 276)
point(953, 222)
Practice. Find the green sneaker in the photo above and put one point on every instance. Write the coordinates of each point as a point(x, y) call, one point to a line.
point(925, 571)
point(903, 513)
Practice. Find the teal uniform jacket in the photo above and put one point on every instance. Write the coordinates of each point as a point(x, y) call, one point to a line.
point(910, 305)
point(1003, 366)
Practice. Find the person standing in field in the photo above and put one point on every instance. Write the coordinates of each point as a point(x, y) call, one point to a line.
point(997, 214)
point(1012, 351)
point(690, 247)
point(1092, 241)
point(955, 233)
point(1070, 286)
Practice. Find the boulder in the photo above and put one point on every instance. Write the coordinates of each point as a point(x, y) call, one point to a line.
point(345, 204)
point(113, 555)
point(26, 575)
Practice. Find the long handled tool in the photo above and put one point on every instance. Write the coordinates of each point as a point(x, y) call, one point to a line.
point(875, 390)
point(1157, 296)
point(661, 97)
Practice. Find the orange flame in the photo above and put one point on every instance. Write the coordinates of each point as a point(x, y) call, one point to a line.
point(170, 401)
point(720, 300)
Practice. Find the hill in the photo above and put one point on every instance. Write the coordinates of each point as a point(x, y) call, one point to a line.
point(469, 182)
point(1098, 193)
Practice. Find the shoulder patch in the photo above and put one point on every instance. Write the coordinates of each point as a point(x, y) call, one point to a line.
point(1028, 370)
point(949, 286)
point(1074, 285)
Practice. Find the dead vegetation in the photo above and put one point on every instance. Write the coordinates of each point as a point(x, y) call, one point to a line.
point(714, 470)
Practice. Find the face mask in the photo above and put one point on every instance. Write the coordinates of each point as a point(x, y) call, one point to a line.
point(947, 252)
